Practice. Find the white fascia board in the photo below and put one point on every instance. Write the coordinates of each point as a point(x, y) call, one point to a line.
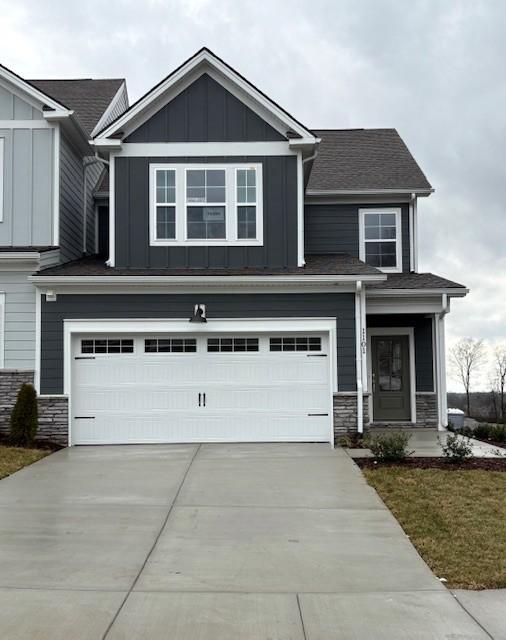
point(56, 116)
point(182, 281)
point(188, 149)
point(357, 192)
point(454, 293)
point(28, 90)
point(209, 63)
point(108, 143)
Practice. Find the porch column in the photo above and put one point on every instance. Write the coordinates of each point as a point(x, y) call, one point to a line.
point(439, 341)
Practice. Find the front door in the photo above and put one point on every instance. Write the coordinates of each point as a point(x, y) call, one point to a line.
point(391, 378)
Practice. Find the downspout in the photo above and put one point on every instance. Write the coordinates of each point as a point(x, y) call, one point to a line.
point(412, 233)
point(441, 356)
point(358, 354)
point(87, 162)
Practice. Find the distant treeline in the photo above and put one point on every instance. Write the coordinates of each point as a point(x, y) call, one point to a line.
point(485, 405)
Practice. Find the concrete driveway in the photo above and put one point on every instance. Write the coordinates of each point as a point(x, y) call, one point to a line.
point(230, 542)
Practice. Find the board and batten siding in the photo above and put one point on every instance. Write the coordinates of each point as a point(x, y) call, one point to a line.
point(19, 334)
point(28, 183)
point(121, 306)
point(334, 228)
point(12, 107)
point(424, 365)
point(279, 218)
point(205, 112)
point(71, 202)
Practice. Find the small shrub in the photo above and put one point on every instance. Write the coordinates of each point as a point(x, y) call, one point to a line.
point(390, 447)
point(450, 426)
point(467, 431)
point(498, 433)
point(24, 417)
point(482, 431)
point(456, 448)
point(345, 441)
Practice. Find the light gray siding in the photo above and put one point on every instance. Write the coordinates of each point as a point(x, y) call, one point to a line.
point(333, 228)
point(119, 106)
point(12, 107)
point(19, 335)
point(28, 187)
point(340, 306)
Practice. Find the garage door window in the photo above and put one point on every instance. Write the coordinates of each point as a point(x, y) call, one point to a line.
point(170, 345)
point(298, 343)
point(232, 344)
point(108, 345)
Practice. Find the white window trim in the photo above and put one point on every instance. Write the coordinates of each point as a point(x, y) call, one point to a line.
point(230, 206)
point(398, 241)
point(2, 329)
point(2, 164)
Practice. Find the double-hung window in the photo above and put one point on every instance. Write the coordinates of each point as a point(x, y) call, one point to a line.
point(381, 238)
point(209, 204)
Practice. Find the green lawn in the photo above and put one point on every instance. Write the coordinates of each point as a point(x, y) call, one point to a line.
point(14, 458)
point(455, 519)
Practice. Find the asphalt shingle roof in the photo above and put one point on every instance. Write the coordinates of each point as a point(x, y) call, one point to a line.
point(416, 281)
point(88, 98)
point(331, 264)
point(364, 159)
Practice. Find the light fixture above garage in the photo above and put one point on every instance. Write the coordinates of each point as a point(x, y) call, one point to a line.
point(199, 313)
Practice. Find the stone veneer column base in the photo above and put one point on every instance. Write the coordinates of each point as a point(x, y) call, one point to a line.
point(426, 410)
point(345, 413)
point(54, 419)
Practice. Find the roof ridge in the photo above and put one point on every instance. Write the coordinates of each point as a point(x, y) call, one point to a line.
point(74, 79)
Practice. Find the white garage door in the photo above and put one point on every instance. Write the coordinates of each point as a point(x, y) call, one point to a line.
point(200, 388)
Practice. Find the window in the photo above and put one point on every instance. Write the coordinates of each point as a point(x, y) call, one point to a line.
point(232, 344)
point(380, 238)
point(296, 343)
point(2, 146)
point(196, 205)
point(165, 204)
point(170, 345)
point(108, 345)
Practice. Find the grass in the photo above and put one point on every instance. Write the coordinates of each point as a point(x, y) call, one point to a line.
point(455, 519)
point(13, 459)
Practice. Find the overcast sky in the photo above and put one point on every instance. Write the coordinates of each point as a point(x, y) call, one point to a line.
point(435, 70)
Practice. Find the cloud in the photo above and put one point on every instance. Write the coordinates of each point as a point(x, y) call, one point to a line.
point(434, 70)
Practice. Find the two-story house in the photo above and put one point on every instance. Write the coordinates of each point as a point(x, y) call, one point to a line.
point(47, 212)
point(260, 282)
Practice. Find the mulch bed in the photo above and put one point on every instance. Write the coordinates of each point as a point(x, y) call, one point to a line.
point(45, 445)
point(487, 464)
point(493, 443)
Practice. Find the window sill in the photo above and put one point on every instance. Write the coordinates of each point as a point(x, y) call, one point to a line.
point(206, 243)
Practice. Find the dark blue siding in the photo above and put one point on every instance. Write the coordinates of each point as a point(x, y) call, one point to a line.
point(341, 306)
point(205, 112)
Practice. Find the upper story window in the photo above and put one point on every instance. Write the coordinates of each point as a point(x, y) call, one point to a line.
point(381, 238)
point(206, 205)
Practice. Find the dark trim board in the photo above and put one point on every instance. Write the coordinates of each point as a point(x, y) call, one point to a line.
point(170, 306)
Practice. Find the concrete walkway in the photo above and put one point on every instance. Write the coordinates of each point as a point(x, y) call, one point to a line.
point(426, 443)
point(228, 542)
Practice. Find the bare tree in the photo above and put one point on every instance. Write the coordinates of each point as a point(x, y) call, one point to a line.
point(500, 376)
point(467, 356)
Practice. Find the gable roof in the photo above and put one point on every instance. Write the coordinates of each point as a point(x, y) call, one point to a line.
point(31, 90)
point(362, 160)
point(206, 61)
point(87, 97)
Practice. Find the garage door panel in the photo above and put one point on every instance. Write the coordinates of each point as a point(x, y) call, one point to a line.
point(154, 397)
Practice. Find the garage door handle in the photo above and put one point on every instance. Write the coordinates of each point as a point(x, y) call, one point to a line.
point(204, 399)
point(84, 417)
point(85, 357)
point(200, 395)
point(317, 414)
point(316, 355)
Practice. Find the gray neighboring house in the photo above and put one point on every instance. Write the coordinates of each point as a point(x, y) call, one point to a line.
point(253, 279)
point(47, 211)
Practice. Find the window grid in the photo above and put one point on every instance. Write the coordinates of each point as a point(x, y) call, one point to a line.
point(165, 204)
point(380, 236)
point(295, 343)
point(216, 345)
point(170, 345)
point(107, 345)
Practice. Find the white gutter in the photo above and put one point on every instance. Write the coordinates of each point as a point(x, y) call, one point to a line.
point(358, 354)
point(375, 192)
point(412, 233)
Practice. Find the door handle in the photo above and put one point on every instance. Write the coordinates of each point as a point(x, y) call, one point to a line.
point(204, 399)
point(373, 376)
point(200, 395)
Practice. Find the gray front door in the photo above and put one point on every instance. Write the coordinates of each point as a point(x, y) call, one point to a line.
point(391, 378)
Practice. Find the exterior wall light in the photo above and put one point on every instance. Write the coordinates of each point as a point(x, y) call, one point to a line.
point(199, 314)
